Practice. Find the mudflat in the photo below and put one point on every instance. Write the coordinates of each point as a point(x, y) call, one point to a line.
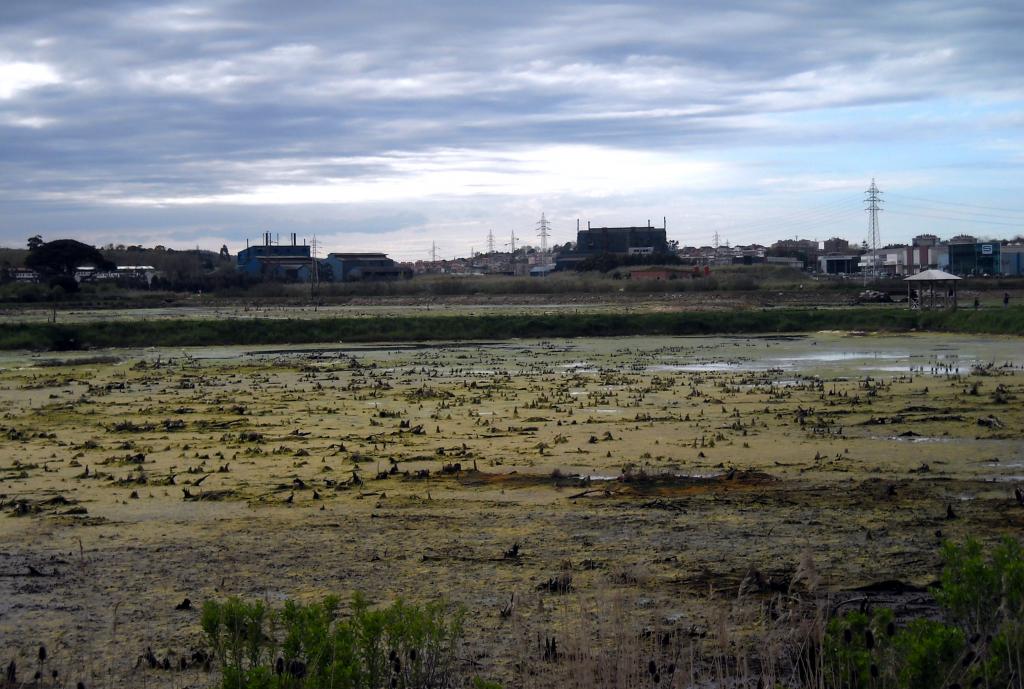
point(663, 473)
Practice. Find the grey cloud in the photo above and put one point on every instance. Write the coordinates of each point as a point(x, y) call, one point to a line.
point(185, 100)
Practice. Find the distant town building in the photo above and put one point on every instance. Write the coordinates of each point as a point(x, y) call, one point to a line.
point(839, 264)
point(785, 262)
point(924, 253)
point(658, 274)
point(890, 260)
point(1011, 260)
point(24, 275)
point(806, 250)
point(968, 256)
point(129, 275)
point(742, 255)
point(697, 255)
point(836, 245)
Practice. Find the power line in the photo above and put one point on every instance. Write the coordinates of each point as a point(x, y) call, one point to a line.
point(961, 220)
point(812, 218)
point(965, 215)
point(961, 214)
point(809, 224)
point(955, 203)
point(814, 222)
point(839, 204)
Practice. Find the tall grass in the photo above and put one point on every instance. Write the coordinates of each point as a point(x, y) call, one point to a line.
point(739, 642)
point(789, 639)
point(747, 638)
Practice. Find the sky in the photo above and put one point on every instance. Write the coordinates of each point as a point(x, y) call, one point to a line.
point(402, 126)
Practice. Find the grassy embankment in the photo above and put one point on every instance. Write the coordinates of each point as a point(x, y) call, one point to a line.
point(725, 279)
point(223, 288)
point(168, 333)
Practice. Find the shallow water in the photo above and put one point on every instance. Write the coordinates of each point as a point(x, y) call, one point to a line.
point(814, 354)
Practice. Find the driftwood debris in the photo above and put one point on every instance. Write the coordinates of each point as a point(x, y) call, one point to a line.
point(604, 492)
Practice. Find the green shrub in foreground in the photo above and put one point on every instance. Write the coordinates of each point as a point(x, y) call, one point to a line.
point(979, 644)
point(308, 646)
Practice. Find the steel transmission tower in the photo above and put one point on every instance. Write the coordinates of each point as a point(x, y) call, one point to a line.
point(873, 200)
point(314, 269)
point(490, 241)
point(543, 231)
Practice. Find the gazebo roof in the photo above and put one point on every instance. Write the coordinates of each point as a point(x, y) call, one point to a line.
point(932, 276)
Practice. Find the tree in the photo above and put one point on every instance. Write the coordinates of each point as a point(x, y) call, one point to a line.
point(62, 256)
point(35, 242)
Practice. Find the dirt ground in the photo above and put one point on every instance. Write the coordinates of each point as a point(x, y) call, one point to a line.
point(659, 471)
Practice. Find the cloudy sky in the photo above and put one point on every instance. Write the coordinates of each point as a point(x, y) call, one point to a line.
point(395, 125)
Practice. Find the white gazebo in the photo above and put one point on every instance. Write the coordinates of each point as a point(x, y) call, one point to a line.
point(923, 285)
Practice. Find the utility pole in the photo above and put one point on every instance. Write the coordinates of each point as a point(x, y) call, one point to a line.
point(543, 231)
point(314, 272)
point(873, 200)
point(490, 241)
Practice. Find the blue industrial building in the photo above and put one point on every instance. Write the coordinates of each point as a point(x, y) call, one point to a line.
point(348, 267)
point(286, 262)
point(295, 262)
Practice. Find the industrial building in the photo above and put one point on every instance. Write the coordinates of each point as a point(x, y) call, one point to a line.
point(351, 267)
point(621, 241)
point(294, 262)
point(274, 261)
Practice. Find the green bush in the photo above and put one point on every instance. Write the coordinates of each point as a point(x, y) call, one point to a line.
point(980, 642)
point(401, 646)
point(979, 594)
point(928, 654)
